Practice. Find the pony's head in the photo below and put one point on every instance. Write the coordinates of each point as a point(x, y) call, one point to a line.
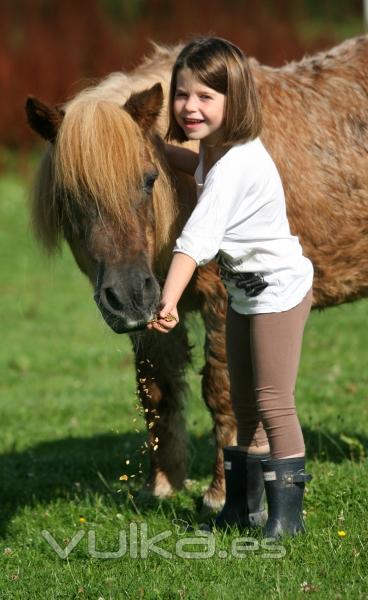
point(104, 187)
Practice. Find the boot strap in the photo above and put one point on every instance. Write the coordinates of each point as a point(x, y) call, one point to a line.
point(291, 477)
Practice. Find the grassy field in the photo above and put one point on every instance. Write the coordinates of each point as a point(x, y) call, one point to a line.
point(69, 422)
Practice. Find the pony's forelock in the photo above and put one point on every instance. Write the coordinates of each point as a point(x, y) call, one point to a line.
point(99, 160)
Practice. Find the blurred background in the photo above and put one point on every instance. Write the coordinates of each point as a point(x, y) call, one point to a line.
point(51, 49)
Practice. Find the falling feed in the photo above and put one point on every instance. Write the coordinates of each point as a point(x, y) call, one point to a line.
point(142, 388)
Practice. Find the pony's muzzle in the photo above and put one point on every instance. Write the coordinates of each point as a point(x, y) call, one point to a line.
point(134, 296)
point(126, 298)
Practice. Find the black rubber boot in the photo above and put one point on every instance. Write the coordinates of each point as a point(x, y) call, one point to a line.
point(284, 483)
point(244, 503)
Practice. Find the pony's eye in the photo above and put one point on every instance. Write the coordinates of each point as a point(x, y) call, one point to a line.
point(149, 181)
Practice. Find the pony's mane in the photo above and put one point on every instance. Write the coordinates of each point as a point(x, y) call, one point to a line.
point(118, 86)
point(97, 158)
point(96, 137)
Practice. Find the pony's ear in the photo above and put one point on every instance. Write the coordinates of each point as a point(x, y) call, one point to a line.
point(44, 120)
point(144, 107)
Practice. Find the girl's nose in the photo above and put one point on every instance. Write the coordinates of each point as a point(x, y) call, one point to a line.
point(190, 104)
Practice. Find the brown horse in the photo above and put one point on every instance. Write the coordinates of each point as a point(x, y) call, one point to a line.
point(105, 187)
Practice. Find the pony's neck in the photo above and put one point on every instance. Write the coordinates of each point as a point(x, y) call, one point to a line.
point(180, 201)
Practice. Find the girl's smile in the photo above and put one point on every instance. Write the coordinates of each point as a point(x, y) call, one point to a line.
point(198, 109)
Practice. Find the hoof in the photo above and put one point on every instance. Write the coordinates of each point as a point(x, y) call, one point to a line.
point(159, 486)
point(213, 499)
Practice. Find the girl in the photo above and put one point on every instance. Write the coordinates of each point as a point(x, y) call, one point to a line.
point(240, 220)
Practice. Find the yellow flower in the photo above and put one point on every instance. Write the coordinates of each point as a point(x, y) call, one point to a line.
point(82, 520)
point(341, 533)
point(123, 478)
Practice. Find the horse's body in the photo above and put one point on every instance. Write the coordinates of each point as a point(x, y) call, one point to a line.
point(95, 190)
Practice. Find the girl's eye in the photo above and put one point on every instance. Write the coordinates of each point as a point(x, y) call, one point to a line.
point(180, 94)
point(205, 97)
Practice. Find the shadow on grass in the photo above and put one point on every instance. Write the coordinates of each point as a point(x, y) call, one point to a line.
point(74, 468)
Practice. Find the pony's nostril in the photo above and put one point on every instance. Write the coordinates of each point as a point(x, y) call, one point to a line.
point(112, 299)
point(148, 283)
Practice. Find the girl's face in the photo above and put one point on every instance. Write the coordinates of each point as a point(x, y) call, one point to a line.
point(198, 109)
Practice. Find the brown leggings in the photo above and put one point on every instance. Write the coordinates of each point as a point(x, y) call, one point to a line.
point(263, 352)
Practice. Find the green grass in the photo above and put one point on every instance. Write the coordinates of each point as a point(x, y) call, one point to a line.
point(67, 402)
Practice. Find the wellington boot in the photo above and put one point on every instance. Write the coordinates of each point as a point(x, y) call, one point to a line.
point(244, 503)
point(284, 483)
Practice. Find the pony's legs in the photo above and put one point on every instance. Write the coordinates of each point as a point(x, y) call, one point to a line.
point(160, 364)
point(215, 382)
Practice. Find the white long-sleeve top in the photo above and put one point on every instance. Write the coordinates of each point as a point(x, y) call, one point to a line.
point(240, 219)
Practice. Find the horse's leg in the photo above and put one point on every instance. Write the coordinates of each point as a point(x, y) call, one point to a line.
point(160, 364)
point(215, 382)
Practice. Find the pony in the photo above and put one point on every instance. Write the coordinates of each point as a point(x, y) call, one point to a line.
point(105, 187)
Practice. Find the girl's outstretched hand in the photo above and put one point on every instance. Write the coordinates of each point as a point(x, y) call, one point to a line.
point(166, 319)
point(180, 272)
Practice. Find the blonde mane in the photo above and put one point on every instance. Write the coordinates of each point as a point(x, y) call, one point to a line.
point(98, 161)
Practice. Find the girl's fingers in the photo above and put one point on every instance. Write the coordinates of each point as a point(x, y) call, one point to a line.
point(163, 326)
point(165, 321)
point(166, 325)
point(165, 314)
point(160, 328)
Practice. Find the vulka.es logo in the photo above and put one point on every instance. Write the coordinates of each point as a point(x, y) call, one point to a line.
point(139, 545)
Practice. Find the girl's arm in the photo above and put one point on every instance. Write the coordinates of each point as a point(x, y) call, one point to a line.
point(181, 158)
point(180, 273)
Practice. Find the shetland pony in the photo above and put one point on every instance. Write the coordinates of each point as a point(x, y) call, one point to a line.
point(105, 187)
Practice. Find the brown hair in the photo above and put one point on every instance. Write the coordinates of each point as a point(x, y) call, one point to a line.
point(222, 66)
point(97, 162)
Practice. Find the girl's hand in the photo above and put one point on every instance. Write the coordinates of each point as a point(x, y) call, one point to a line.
point(180, 272)
point(166, 319)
